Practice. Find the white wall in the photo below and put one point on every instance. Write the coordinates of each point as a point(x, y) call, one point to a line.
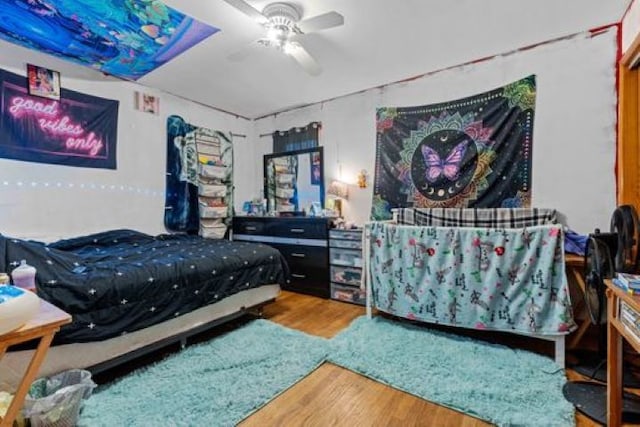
point(574, 142)
point(631, 25)
point(46, 202)
point(574, 131)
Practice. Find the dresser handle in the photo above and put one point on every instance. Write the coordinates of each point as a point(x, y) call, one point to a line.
point(298, 276)
point(293, 254)
point(297, 230)
point(250, 228)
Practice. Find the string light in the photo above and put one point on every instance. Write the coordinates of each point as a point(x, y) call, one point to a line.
point(85, 187)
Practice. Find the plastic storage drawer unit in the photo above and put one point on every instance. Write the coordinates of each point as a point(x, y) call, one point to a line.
point(345, 259)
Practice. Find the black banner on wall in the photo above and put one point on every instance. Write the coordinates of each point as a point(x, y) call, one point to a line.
point(79, 130)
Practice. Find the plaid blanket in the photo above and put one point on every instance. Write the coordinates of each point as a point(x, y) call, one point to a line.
point(469, 217)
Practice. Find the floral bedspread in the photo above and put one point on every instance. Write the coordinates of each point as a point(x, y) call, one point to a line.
point(500, 279)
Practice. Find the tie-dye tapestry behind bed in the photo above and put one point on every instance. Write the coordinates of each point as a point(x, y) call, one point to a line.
point(472, 152)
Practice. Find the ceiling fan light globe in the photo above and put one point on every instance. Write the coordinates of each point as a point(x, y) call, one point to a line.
point(272, 34)
point(288, 48)
point(278, 34)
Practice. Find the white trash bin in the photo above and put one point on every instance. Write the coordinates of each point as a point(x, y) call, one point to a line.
point(55, 401)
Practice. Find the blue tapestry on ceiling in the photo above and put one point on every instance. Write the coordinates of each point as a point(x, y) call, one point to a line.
point(125, 38)
point(79, 130)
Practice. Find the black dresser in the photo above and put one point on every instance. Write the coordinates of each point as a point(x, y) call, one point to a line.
point(303, 241)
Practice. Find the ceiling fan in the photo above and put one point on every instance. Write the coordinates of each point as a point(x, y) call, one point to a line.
point(284, 25)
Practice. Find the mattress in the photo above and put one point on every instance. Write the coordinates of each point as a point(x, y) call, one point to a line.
point(120, 281)
point(84, 355)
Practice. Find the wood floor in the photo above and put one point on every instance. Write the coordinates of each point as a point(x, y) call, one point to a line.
point(332, 396)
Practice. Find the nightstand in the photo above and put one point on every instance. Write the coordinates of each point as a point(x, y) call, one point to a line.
point(345, 259)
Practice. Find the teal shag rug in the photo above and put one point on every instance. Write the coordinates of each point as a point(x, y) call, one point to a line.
point(492, 382)
point(218, 383)
point(223, 381)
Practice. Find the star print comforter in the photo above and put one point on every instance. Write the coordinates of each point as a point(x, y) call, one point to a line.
point(120, 281)
point(500, 279)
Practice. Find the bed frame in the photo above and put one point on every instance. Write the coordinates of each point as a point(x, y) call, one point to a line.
point(100, 356)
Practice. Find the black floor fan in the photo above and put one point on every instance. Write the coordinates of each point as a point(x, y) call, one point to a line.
point(606, 253)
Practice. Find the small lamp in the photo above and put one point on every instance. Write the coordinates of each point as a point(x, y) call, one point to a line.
point(362, 179)
point(338, 191)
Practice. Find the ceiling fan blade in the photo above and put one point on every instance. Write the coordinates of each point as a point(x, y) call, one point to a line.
point(303, 58)
point(320, 22)
point(248, 10)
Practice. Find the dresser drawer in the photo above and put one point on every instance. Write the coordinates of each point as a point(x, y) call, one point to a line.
point(346, 275)
point(346, 234)
point(308, 277)
point(345, 244)
point(304, 256)
point(298, 229)
point(345, 257)
point(248, 226)
point(348, 294)
point(308, 280)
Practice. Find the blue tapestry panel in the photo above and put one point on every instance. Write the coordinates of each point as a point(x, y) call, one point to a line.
point(125, 38)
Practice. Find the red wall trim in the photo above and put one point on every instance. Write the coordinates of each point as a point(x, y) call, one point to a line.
point(617, 71)
point(594, 32)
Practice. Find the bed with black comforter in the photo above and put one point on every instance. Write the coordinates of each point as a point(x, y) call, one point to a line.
point(120, 281)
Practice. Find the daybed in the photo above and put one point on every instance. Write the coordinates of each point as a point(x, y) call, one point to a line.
point(129, 292)
point(488, 269)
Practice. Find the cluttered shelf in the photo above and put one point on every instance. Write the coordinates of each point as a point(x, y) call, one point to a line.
point(621, 306)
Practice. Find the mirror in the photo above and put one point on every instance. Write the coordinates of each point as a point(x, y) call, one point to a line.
point(294, 181)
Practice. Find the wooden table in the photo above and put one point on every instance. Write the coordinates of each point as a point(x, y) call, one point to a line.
point(616, 331)
point(42, 326)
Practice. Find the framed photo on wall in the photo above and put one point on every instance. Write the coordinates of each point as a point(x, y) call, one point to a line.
point(43, 82)
point(147, 103)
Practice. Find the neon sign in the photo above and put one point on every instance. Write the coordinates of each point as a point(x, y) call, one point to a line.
point(50, 120)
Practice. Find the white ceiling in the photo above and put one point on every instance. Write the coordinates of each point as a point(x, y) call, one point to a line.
point(381, 41)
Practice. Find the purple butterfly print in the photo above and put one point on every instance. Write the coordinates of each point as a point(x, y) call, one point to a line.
point(450, 167)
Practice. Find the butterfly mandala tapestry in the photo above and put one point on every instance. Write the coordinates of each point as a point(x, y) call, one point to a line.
point(473, 152)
